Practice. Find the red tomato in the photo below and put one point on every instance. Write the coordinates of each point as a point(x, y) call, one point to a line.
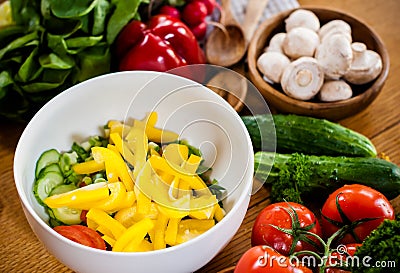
point(210, 4)
point(194, 13)
point(277, 214)
point(340, 255)
point(82, 235)
point(352, 203)
point(264, 259)
point(171, 11)
point(200, 30)
point(96, 239)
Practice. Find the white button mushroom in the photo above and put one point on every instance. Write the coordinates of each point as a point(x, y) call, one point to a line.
point(302, 79)
point(334, 55)
point(335, 90)
point(275, 44)
point(335, 27)
point(366, 65)
point(272, 65)
point(302, 18)
point(300, 42)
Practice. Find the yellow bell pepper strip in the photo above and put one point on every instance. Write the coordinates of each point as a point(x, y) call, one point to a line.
point(219, 213)
point(137, 142)
point(122, 148)
point(134, 235)
point(105, 231)
point(113, 148)
point(109, 240)
point(106, 221)
point(129, 216)
point(142, 198)
point(195, 224)
point(175, 212)
point(172, 231)
point(92, 224)
point(156, 134)
point(118, 127)
point(159, 232)
point(79, 197)
point(88, 167)
point(115, 165)
point(195, 182)
point(175, 153)
point(190, 165)
point(203, 207)
point(151, 119)
point(129, 200)
point(191, 228)
point(116, 199)
point(144, 246)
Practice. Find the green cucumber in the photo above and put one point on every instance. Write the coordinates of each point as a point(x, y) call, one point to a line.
point(65, 215)
point(63, 188)
point(53, 167)
point(46, 158)
point(45, 184)
point(308, 135)
point(307, 173)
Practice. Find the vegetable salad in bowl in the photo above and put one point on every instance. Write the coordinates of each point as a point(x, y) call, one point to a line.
point(133, 192)
point(130, 191)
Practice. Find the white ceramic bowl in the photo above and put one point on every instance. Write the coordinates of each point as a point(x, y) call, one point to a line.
point(197, 113)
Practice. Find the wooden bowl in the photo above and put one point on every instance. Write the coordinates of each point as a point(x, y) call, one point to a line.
point(363, 95)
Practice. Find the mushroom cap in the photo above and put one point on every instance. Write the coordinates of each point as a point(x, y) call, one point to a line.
point(302, 18)
point(300, 42)
point(272, 64)
point(366, 65)
point(334, 55)
point(335, 90)
point(275, 44)
point(335, 27)
point(302, 78)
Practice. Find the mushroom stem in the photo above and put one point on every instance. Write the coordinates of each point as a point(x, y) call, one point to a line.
point(302, 79)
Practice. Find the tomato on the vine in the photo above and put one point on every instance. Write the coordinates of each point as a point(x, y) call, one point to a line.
point(263, 259)
point(360, 207)
point(295, 218)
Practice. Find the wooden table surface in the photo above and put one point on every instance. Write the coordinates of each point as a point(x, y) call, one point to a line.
point(20, 251)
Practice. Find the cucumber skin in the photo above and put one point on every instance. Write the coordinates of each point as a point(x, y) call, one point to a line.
point(308, 135)
point(333, 172)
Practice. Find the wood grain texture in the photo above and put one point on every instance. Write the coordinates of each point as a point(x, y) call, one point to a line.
point(22, 252)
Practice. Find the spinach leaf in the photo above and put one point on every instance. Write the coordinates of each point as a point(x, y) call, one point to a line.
point(71, 8)
point(53, 61)
point(125, 10)
point(93, 62)
point(82, 42)
point(29, 67)
point(100, 13)
point(19, 42)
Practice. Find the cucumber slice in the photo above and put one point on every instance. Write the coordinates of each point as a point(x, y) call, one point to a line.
point(53, 167)
point(45, 184)
point(62, 189)
point(65, 215)
point(46, 158)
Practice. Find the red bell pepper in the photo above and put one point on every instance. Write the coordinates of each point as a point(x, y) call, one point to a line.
point(163, 44)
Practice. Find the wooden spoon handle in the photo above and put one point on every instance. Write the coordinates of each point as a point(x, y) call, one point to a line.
point(254, 10)
point(227, 17)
